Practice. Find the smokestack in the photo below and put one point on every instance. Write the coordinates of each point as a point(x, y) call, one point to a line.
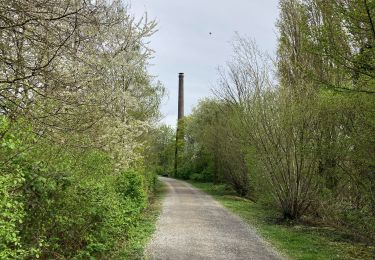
point(180, 95)
point(180, 127)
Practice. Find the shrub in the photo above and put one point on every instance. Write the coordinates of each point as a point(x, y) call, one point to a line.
point(66, 203)
point(131, 186)
point(11, 215)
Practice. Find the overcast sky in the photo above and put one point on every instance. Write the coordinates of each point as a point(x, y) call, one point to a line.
point(183, 42)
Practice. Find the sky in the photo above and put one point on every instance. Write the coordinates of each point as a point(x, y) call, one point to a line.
point(183, 42)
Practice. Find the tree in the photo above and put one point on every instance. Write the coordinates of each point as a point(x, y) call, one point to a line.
point(77, 106)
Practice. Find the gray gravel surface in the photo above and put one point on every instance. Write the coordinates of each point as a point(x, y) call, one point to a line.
point(192, 225)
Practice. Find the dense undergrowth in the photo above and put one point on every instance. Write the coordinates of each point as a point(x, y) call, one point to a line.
point(133, 245)
point(59, 203)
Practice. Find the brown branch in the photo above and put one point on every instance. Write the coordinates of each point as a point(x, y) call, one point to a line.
point(369, 17)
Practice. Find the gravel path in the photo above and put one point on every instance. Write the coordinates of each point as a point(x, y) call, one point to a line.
point(194, 226)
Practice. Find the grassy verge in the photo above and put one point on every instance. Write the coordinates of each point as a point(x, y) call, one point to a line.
point(297, 241)
point(141, 233)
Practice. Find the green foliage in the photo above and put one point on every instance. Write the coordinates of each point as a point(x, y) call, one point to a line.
point(141, 230)
point(326, 50)
point(212, 150)
point(64, 203)
point(180, 169)
point(131, 186)
point(205, 175)
point(11, 201)
point(11, 215)
point(160, 155)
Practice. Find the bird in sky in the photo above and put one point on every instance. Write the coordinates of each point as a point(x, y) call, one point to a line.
point(210, 33)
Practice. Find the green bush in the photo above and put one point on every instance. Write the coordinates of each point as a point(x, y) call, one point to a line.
point(11, 215)
point(131, 186)
point(64, 203)
point(197, 177)
point(204, 176)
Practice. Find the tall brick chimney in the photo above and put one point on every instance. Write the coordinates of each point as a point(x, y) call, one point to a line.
point(180, 123)
point(180, 95)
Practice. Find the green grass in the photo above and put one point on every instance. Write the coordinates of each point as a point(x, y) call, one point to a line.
point(294, 240)
point(133, 246)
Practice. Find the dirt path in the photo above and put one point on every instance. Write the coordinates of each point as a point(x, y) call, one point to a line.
point(194, 226)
